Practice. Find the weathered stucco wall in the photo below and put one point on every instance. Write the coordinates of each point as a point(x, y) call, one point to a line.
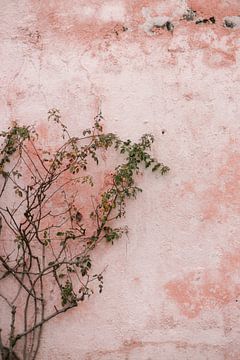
point(172, 288)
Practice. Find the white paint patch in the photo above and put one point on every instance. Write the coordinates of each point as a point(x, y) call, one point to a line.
point(112, 11)
point(88, 11)
point(177, 11)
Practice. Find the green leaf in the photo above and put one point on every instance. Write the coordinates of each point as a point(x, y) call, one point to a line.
point(60, 233)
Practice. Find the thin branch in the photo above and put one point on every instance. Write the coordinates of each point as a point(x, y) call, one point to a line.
point(57, 312)
point(1, 346)
point(6, 300)
point(17, 278)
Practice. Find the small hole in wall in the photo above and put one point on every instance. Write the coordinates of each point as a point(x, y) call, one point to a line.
point(189, 15)
point(211, 20)
point(229, 24)
point(167, 25)
point(163, 132)
point(119, 29)
point(236, 300)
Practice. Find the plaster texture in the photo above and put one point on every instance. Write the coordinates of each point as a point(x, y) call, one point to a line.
point(171, 68)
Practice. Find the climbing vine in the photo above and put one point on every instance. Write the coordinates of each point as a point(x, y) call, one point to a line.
point(47, 239)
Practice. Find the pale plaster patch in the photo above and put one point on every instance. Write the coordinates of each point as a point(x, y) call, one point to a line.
point(112, 11)
point(177, 10)
point(88, 11)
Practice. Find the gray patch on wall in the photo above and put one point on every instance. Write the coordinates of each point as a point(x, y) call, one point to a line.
point(232, 22)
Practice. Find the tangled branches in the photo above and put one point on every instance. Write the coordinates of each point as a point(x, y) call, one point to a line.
point(47, 239)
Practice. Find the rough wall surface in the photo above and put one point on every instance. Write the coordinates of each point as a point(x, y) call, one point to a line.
point(172, 289)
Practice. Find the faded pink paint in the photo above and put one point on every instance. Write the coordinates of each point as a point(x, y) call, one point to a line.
point(172, 288)
point(208, 288)
point(222, 197)
point(217, 8)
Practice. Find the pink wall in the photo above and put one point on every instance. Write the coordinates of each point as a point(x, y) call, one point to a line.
point(172, 289)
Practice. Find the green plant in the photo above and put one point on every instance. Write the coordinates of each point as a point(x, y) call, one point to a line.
point(45, 236)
